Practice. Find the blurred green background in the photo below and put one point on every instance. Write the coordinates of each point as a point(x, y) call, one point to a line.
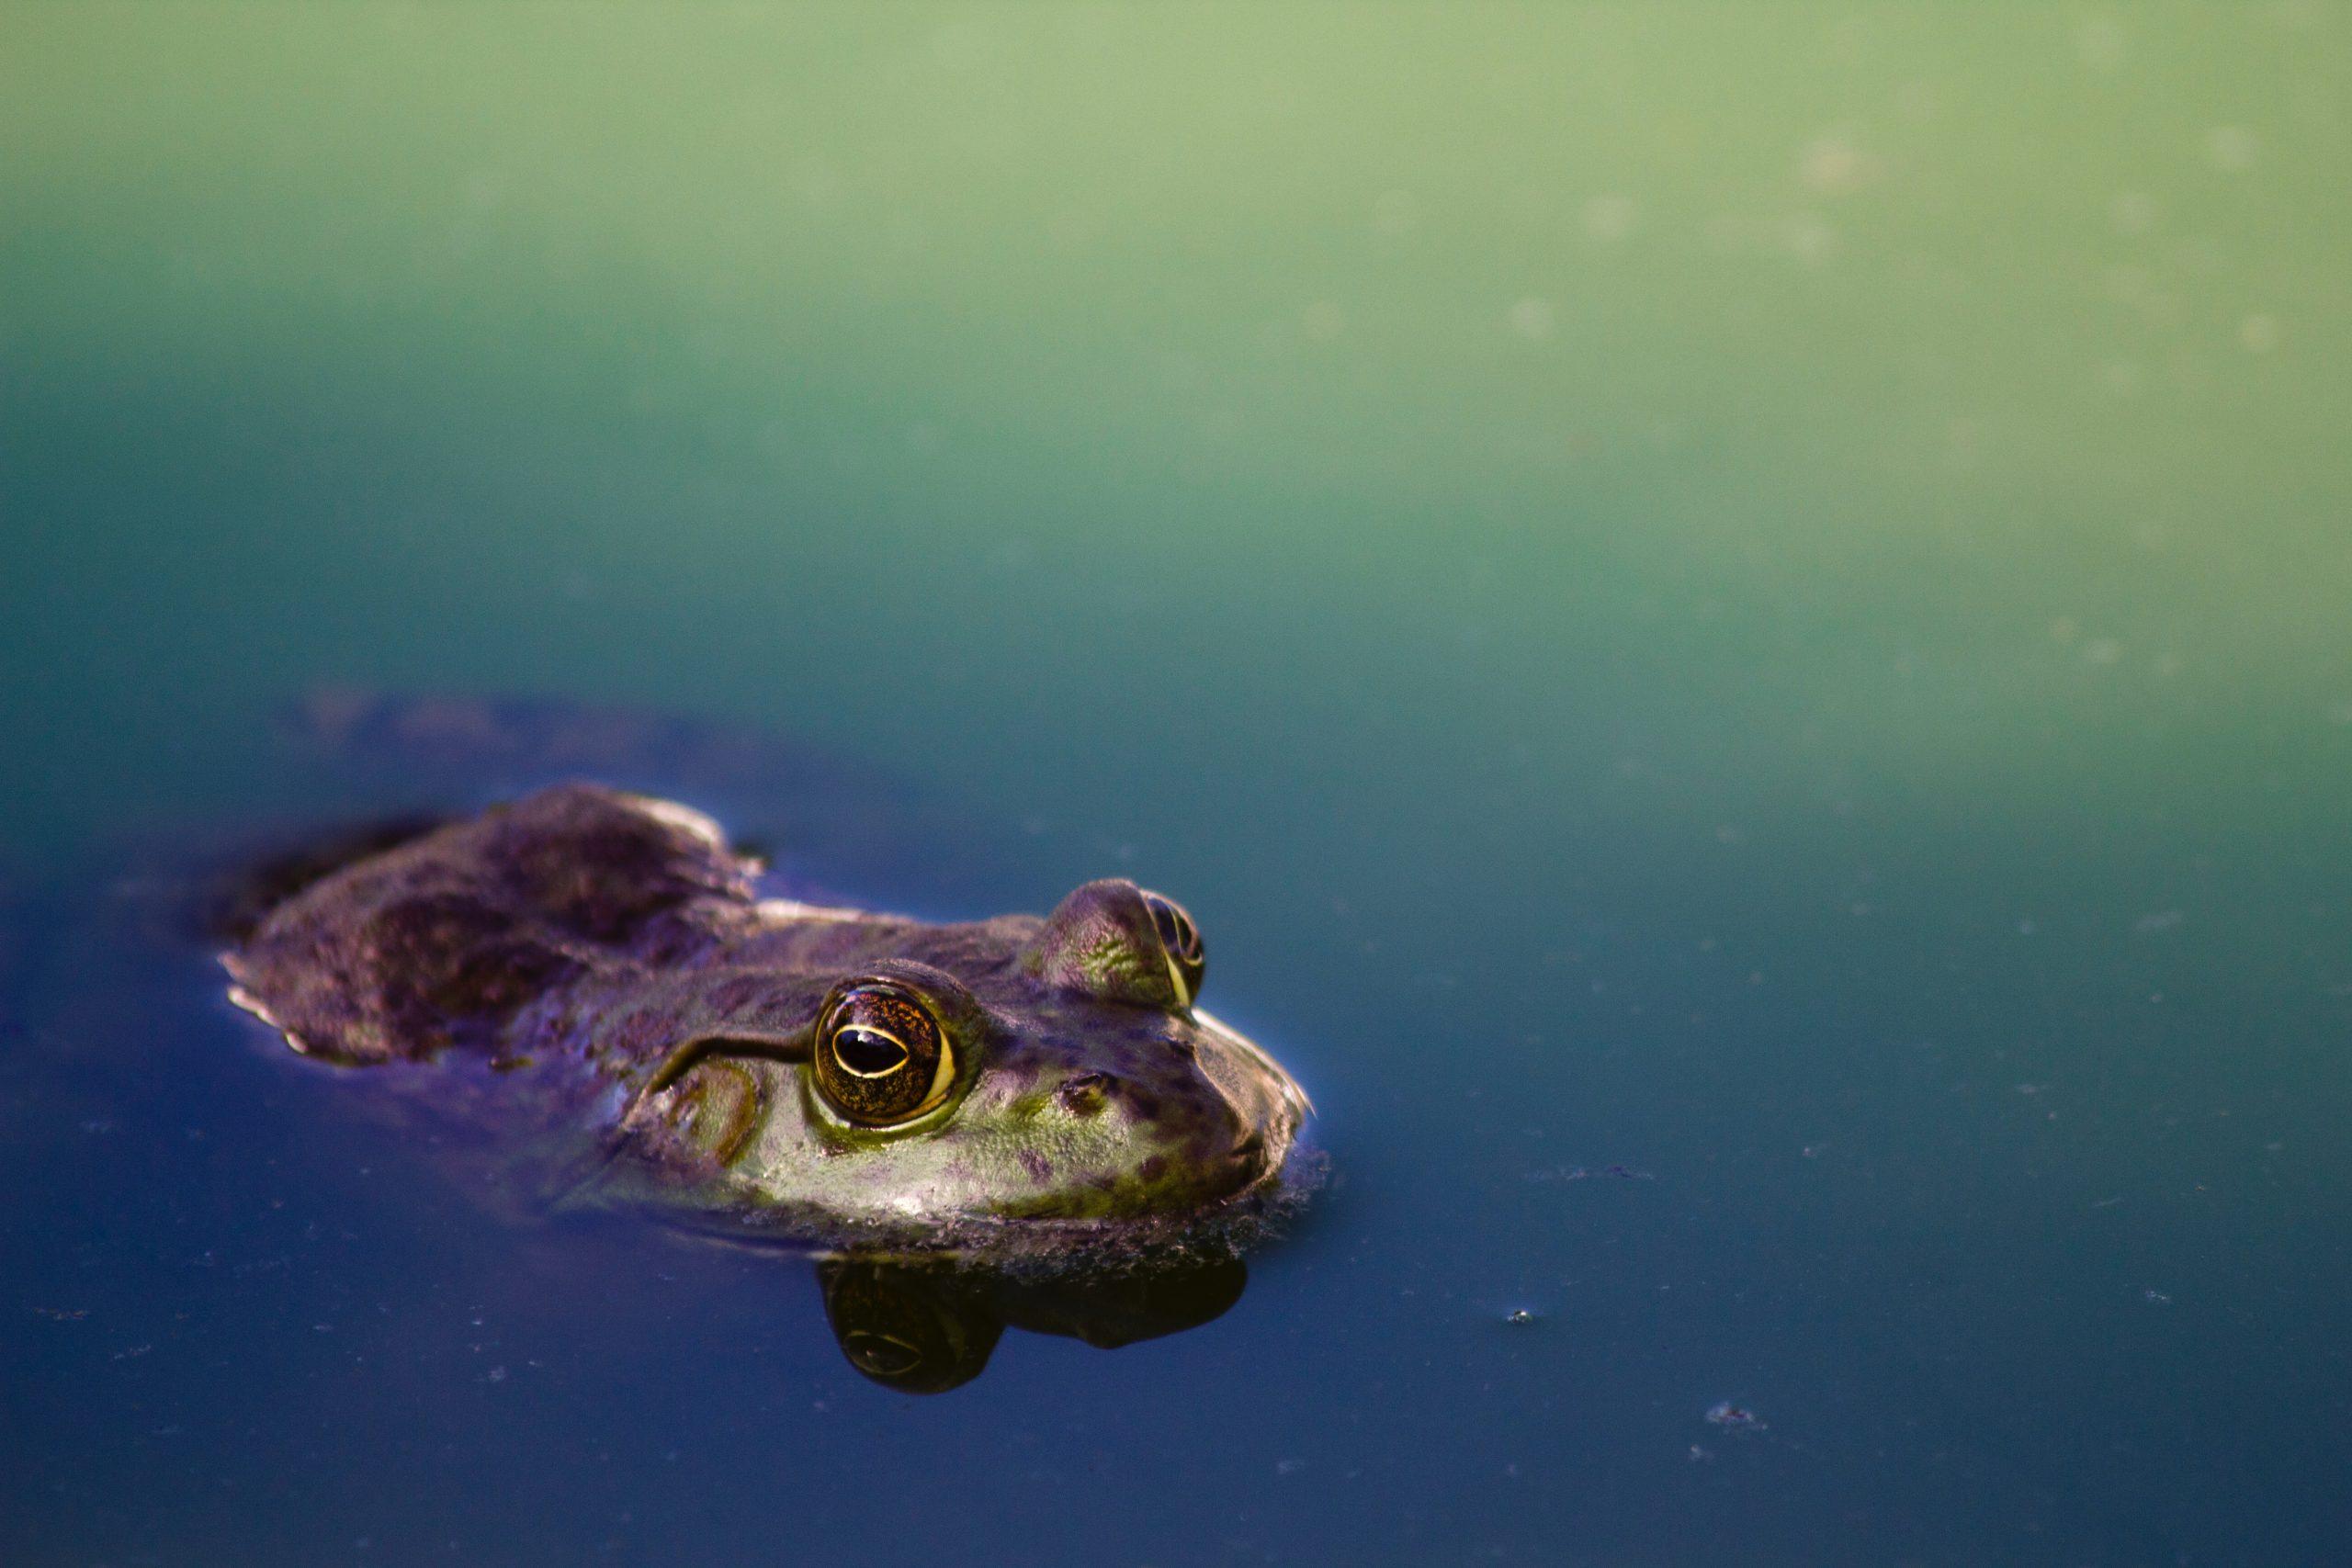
point(1696, 403)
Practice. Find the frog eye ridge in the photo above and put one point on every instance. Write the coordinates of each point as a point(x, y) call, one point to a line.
point(1180, 939)
point(881, 1055)
point(1118, 943)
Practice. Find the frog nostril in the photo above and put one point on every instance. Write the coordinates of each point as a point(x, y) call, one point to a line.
point(1085, 1094)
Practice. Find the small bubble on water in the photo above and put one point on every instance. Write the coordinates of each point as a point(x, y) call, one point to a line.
point(1832, 165)
point(1533, 318)
point(2100, 42)
point(2231, 148)
point(1609, 218)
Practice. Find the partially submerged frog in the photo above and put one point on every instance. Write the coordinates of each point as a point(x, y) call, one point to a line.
point(589, 961)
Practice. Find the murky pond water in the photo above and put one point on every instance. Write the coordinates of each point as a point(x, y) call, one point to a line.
point(1733, 620)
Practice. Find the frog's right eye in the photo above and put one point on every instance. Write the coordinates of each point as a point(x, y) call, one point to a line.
point(1180, 939)
point(881, 1055)
point(1113, 940)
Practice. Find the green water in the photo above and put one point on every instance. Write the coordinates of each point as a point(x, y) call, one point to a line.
point(1759, 590)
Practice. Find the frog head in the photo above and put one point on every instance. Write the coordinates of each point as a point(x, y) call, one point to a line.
point(876, 1069)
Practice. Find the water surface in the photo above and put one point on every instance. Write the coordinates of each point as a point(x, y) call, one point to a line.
point(1749, 595)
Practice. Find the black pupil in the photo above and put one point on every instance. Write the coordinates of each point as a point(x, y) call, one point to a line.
point(866, 1051)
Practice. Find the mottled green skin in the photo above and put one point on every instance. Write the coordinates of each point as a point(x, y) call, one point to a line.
point(610, 956)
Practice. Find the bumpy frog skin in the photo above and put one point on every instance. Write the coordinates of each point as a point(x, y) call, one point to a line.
point(604, 959)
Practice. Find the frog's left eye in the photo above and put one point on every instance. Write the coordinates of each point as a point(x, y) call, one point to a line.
point(1180, 939)
point(881, 1055)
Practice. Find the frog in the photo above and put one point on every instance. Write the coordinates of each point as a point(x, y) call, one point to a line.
point(602, 971)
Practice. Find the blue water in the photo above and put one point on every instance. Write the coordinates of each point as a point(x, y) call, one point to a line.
point(1893, 1150)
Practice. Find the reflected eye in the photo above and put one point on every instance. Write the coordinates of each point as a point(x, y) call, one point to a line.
point(881, 1055)
point(1180, 939)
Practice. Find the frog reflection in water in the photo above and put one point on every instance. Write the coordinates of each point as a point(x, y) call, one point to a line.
point(585, 960)
point(927, 1328)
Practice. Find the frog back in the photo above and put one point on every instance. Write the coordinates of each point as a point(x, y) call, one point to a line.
point(440, 942)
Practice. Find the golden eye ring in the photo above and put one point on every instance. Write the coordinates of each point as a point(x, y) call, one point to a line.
point(881, 1056)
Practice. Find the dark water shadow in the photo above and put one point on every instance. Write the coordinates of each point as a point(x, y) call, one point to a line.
point(927, 1327)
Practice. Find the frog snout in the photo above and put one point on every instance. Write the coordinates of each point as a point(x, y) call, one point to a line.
point(1239, 1151)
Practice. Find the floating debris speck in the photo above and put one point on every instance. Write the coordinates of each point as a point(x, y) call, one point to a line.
point(1734, 1417)
point(1578, 1173)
